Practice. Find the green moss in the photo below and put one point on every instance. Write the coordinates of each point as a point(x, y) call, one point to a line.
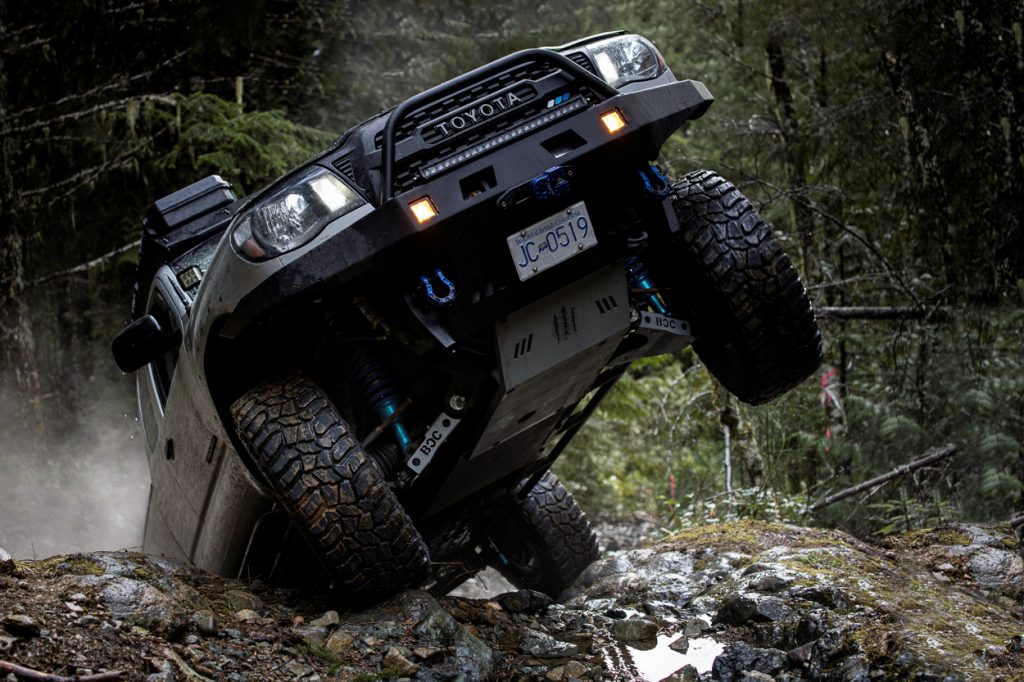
point(907, 611)
point(323, 654)
point(65, 565)
point(747, 536)
point(951, 536)
point(833, 561)
point(932, 536)
point(912, 613)
point(135, 557)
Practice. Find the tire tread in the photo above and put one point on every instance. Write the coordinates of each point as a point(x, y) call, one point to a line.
point(335, 492)
point(760, 303)
point(561, 532)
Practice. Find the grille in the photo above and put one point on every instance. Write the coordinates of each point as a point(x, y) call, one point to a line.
point(583, 61)
point(344, 166)
point(450, 105)
point(408, 176)
point(523, 91)
point(516, 79)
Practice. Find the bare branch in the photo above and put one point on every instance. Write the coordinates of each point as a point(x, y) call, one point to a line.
point(89, 265)
point(81, 177)
point(82, 113)
point(931, 456)
point(21, 672)
point(882, 313)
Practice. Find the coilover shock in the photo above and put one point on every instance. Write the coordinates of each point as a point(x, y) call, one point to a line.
point(379, 390)
point(638, 276)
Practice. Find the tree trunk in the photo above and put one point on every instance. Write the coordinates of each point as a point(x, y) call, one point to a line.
point(922, 168)
point(801, 215)
point(17, 349)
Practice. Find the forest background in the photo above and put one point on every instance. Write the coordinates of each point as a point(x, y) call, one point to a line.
point(883, 139)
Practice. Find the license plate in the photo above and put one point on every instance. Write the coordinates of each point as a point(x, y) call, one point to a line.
point(551, 241)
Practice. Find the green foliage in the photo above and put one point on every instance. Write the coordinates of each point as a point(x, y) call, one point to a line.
point(330, 659)
point(652, 425)
point(888, 185)
point(250, 148)
point(901, 513)
point(761, 504)
point(891, 173)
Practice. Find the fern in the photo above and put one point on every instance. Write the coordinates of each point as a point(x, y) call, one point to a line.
point(977, 399)
point(899, 425)
point(998, 442)
point(997, 483)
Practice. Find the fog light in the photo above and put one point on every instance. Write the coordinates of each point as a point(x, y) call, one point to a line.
point(613, 121)
point(423, 209)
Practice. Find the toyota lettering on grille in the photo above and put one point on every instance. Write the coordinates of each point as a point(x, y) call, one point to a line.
point(477, 114)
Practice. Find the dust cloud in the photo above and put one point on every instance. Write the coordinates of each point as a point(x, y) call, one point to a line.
point(86, 491)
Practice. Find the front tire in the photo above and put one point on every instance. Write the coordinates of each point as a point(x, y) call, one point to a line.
point(333, 491)
point(754, 323)
point(544, 540)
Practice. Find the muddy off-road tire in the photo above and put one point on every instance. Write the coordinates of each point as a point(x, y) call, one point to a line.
point(334, 492)
point(754, 323)
point(545, 538)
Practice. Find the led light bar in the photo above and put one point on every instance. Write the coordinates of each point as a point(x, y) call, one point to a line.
point(499, 140)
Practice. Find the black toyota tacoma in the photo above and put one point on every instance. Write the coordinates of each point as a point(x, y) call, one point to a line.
point(364, 372)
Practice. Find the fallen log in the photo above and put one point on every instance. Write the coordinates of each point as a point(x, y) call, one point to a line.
point(929, 457)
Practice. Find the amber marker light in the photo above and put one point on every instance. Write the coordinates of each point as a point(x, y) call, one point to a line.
point(423, 209)
point(613, 121)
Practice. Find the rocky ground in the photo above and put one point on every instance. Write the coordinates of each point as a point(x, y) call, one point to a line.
point(744, 601)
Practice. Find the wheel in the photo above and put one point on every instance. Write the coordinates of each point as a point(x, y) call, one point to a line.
point(334, 492)
point(544, 541)
point(754, 323)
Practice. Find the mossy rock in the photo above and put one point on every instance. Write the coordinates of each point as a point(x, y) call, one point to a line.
point(74, 564)
point(945, 535)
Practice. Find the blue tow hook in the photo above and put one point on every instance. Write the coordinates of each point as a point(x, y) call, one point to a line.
point(433, 297)
point(655, 183)
point(554, 182)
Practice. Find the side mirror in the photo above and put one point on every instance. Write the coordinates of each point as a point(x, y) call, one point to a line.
point(142, 342)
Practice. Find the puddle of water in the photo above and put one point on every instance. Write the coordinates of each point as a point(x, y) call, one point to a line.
point(661, 661)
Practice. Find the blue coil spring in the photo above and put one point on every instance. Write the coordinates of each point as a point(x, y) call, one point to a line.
point(371, 377)
point(379, 390)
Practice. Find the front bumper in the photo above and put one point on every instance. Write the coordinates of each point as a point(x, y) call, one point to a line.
point(378, 239)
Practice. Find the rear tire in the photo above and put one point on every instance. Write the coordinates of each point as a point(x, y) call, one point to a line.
point(333, 491)
point(754, 323)
point(545, 539)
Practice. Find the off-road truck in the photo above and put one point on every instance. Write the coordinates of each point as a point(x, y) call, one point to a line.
point(364, 372)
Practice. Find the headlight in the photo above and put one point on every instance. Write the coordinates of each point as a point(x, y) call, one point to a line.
point(625, 59)
point(289, 216)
